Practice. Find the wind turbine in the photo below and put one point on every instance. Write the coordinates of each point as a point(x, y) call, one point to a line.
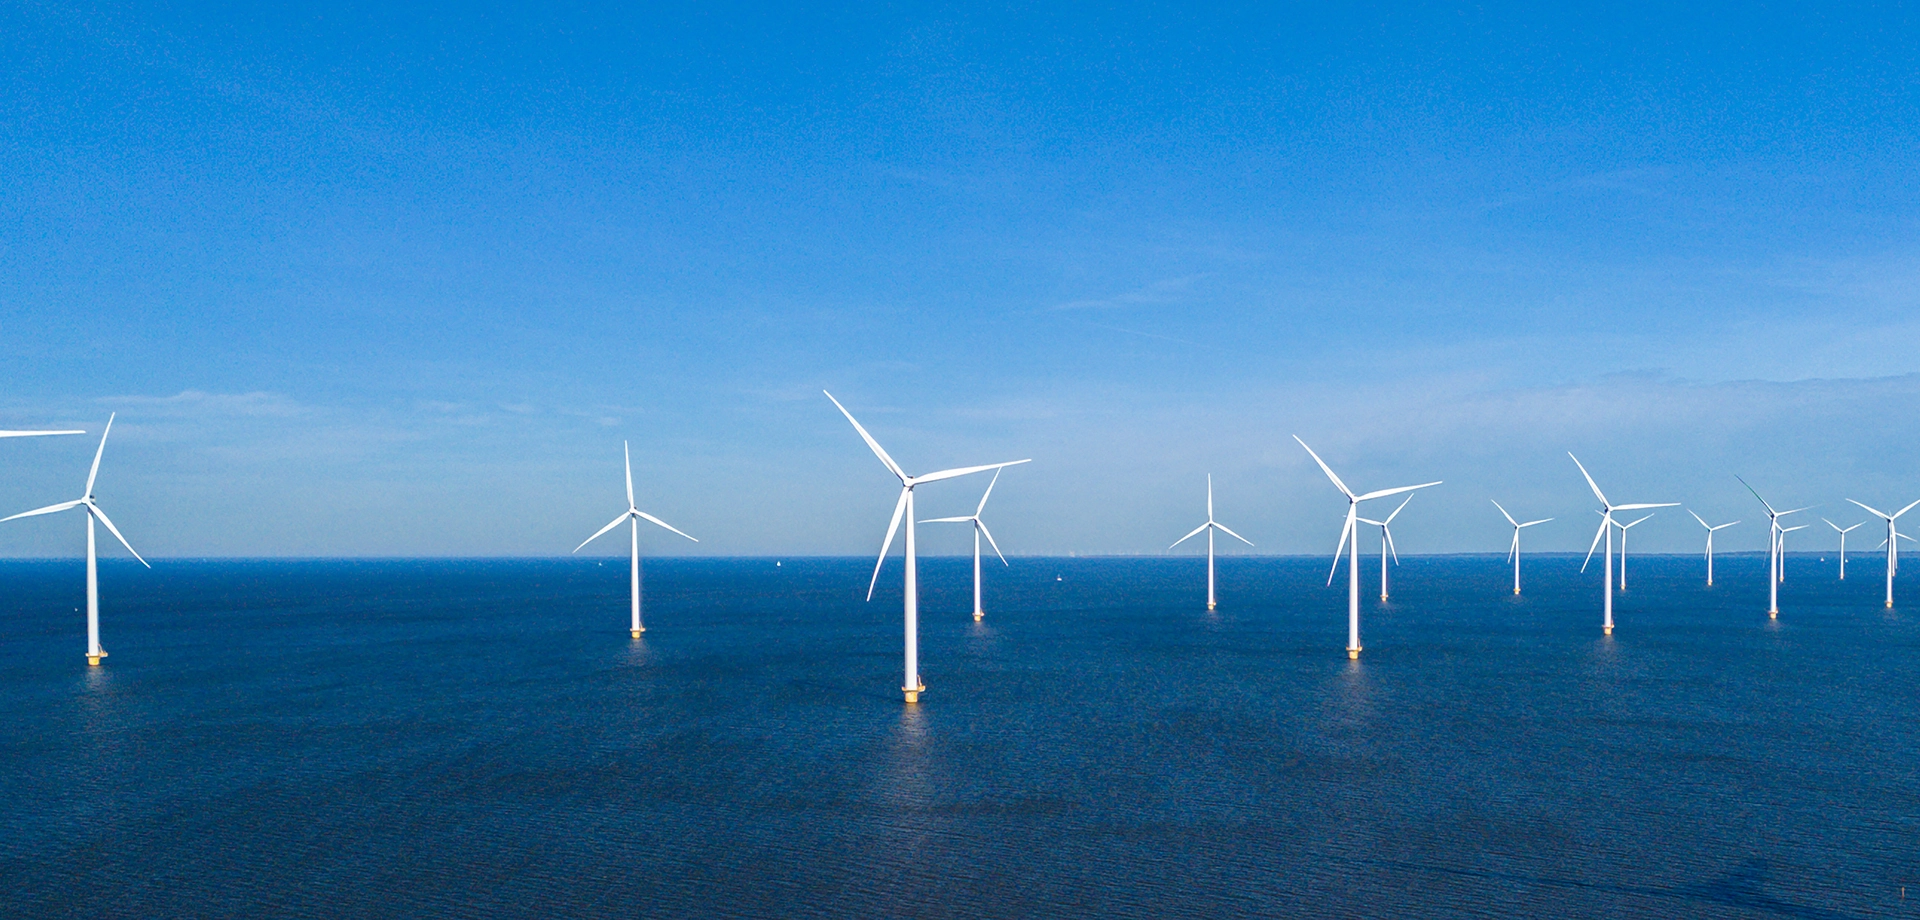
point(1514, 550)
point(1774, 565)
point(1710, 529)
point(1386, 543)
point(1210, 526)
point(1893, 549)
point(1606, 530)
point(1783, 549)
point(1353, 556)
point(1623, 548)
point(86, 502)
point(632, 518)
point(912, 687)
point(979, 529)
point(1843, 544)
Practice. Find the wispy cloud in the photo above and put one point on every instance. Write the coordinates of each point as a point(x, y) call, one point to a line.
point(1170, 290)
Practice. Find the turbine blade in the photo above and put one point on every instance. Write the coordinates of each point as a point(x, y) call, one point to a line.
point(1209, 496)
point(1383, 493)
point(95, 472)
point(899, 508)
point(989, 535)
point(1387, 533)
point(1756, 494)
point(1876, 512)
point(628, 452)
point(946, 520)
point(1230, 533)
point(1702, 520)
point(1531, 523)
point(34, 434)
point(1643, 518)
point(1324, 468)
point(664, 524)
point(988, 494)
point(1644, 505)
point(1504, 514)
point(622, 519)
point(1606, 520)
point(1345, 529)
point(47, 510)
point(102, 515)
point(1513, 547)
point(1396, 511)
point(1590, 483)
point(963, 471)
point(1196, 532)
point(1724, 526)
point(1905, 510)
point(878, 451)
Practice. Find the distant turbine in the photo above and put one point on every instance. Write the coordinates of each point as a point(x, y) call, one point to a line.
point(1623, 548)
point(632, 518)
point(912, 687)
point(85, 501)
point(1892, 545)
point(1210, 526)
point(1843, 544)
point(1348, 530)
point(1606, 530)
point(1710, 530)
point(1514, 550)
point(979, 529)
point(1775, 567)
point(1386, 543)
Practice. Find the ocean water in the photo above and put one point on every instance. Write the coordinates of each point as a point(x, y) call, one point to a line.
point(481, 738)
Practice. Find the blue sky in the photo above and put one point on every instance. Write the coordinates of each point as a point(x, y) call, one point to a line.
point(385, 280)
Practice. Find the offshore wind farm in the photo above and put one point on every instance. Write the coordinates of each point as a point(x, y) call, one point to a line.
point(1122, 349)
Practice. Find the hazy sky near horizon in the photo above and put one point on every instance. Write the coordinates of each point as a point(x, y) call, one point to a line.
point(397, 280)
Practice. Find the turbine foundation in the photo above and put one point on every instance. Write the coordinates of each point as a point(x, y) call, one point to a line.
point(1773, 614)
point(1209, 606)
point(1606, 630)
point(637, 632)
point(93, 661)
point(1353, 654)
point(913, 693)
point(977, 614)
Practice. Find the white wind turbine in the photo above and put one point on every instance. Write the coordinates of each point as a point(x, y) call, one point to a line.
point(1775, 575)
point(1348, 530)
point(1892, 544)
point(1386, 542)
point(1210, 526)
point(1514, 550)
point(912, 687)
point(632, 518)
point(1623, 547)
point(86, 502)
point(1606, 530)
point(1710, 530)
point(1843, 531)
point(1783, 549)
point(979, 530)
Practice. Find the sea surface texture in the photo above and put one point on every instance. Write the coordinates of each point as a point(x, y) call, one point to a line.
point(482, 738)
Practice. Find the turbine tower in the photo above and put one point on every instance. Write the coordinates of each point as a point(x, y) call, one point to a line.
point(632, 518)
point(1514, 550)
point(86, 502)
point(1843, 531)
point(1386, 543)
point(1348, 530)
point(1710, 531)
point(1623, 548)
point(1774, 567)
point(1210, 526)
point(1606, 530)
point(912, 687)
point(1893, 549)
point(979, 530)
point(1783, 549)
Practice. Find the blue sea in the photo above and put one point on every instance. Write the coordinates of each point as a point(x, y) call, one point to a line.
point(481, 738)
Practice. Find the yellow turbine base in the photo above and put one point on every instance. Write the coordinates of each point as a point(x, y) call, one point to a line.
point(1608, 630)
point(1353, 654)
point(1516, 591)
point(977, 615)
point(637, 632)
point(913, 693)
point(93, 661)
point(1773, 614)
point(1209, 606)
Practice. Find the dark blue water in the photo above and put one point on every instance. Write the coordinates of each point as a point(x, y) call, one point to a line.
point(476, 738)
